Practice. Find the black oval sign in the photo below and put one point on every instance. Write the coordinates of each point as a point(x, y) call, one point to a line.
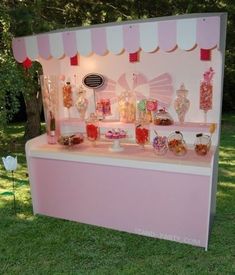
point(93, 81)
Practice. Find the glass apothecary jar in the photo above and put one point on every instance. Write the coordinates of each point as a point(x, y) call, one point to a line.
point(160, 144)
point(163, 118)
point(127, 107)
point(142, 133)
point(202, 144)
point(176, 143)
point(92, 128)
point(49, 87)
point(181, 103)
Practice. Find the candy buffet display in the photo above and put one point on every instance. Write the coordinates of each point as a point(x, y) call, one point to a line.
point(176, 143)
point(163, 118)
point(82, 102)
point(181, 103)
point(130, 76)
point(206, 92)
point(160, 144)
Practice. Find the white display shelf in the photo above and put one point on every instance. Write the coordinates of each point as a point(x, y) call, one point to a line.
point(133, 156)
point(187, 126)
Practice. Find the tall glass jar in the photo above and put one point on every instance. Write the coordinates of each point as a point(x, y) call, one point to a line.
point(67, 96)
point(81, 103)
point(142, 133)
point(181, 103)
point(49, 87)
point(127, 106)
point(92, 128)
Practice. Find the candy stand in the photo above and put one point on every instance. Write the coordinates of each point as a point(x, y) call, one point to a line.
point(133, 113)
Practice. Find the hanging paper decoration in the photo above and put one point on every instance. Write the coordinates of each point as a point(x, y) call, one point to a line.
point(134, 57)
point(205, 55)
point(161, 89)
point(27, 63)
point(74, 61)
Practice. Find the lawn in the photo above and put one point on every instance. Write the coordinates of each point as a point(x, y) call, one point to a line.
point(41, 245)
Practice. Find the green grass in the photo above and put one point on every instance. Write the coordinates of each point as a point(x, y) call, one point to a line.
point(41, 245)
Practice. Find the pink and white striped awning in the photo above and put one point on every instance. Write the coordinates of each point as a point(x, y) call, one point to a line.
point(148, 36)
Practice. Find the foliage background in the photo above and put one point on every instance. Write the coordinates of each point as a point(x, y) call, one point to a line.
point(26, 17)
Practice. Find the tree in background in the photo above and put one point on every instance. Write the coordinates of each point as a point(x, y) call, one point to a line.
point(26, 17)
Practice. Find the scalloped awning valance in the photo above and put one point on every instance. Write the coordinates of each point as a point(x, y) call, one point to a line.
point(185, 33)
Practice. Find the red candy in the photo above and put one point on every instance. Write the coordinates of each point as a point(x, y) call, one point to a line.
point(142, 135)
point(92, 131)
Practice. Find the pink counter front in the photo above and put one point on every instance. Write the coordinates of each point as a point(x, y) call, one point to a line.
point(135, 191)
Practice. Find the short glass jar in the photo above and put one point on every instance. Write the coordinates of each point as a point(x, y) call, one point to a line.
point(202, 144)
point(176, 143)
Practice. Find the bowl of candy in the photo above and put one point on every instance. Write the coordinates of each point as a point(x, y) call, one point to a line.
point(176, 143)
point(163, 118)
point(71, 140)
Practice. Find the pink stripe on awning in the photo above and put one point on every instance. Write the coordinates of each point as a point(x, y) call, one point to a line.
point(69, 41)
point(167, 35)
point(208, 32)
point(19, 49)
point(98, 40)
point(131, 38)
point(44, 46)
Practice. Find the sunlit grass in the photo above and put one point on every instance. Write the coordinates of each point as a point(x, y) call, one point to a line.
point(41, 245)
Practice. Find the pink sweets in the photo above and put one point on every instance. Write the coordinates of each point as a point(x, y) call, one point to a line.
point(206, 92)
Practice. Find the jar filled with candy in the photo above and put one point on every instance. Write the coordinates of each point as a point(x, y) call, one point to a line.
point(202, 144)
point(82, 103)
point(160, 144)
point(181, 103)
point(127, 106)
point(142, 133)
point(92, 128)
point(163, 118)
point(176, 143)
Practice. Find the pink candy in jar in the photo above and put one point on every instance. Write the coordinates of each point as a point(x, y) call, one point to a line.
point(206, 92)
point(160, 144)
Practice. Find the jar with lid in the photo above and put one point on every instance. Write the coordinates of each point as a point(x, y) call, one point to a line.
point(176, 143)
point(92, 128)
point(202, 144)
point(81, 103)
point(163, 118)
point(181, 103)
point(127, 107)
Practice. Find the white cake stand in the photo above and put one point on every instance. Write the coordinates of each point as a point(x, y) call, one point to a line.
point(116, 146)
